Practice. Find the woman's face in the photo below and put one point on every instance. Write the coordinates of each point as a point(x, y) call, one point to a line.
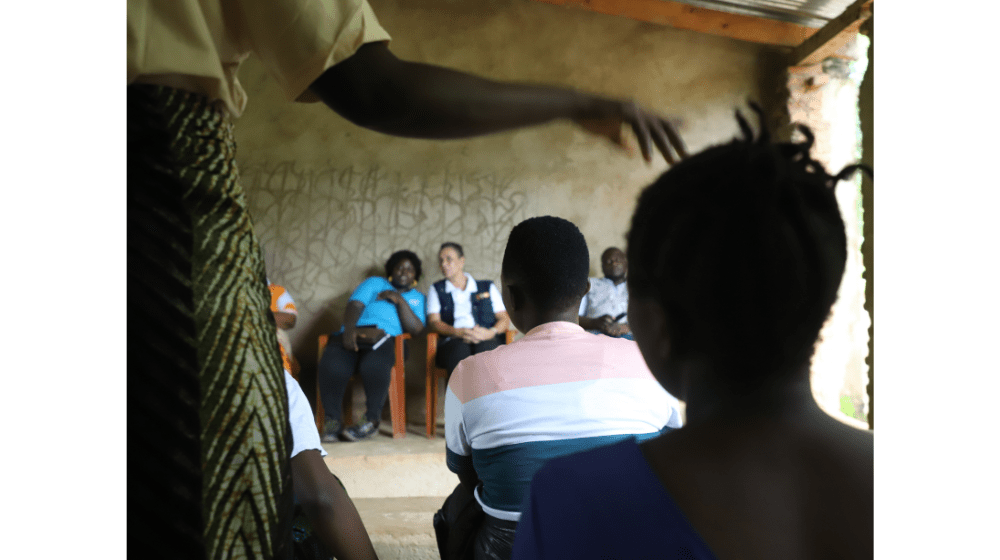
point(404, 274)
point(451, 264)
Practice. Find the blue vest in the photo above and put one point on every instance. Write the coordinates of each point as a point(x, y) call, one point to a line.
point(482, 307)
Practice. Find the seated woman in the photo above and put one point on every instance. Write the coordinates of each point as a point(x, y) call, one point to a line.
point(467, 313)
point(735, 257)
point(378, 310)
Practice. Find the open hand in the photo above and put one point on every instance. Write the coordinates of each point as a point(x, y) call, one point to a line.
point(606, 117)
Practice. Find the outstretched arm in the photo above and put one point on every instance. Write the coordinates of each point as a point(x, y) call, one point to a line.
point(329, 509)
point(376, 90)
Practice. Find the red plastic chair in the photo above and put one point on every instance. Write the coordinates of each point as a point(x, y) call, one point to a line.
point(397, 392)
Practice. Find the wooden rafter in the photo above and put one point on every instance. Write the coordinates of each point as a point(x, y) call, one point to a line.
point(833, 35)
point(683, 16)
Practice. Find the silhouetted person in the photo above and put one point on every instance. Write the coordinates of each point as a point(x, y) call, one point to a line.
point(735, 258)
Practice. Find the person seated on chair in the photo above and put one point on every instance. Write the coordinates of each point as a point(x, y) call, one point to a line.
point(467, 313)
point(736, 256)
point(378, 310)
point(557, 390)
point(605, 307)
point(285, 315)
point(326, 521)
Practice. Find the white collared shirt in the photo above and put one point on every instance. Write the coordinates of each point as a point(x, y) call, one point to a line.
point(605, 298)
point(463, 301)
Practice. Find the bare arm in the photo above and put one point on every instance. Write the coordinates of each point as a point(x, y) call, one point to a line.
point(470, 480)
point(503, 322)
point(435, 323)
point(407, 318)
point(376, 90)
point(351, 316)
point(329, 509)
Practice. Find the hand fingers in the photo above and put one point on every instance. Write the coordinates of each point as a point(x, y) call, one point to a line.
point(635, 117)
point(675, 139)
point(661, 140)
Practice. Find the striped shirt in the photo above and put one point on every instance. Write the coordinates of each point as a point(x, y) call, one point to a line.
point(556, 391)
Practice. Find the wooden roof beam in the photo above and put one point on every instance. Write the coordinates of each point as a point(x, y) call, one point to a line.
point(683, 16)
point(834, 35)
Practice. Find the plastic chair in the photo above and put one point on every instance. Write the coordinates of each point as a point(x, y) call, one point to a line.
point(436, 374)
point(397, 392)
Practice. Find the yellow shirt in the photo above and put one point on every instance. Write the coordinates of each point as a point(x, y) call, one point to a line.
point(198, 45)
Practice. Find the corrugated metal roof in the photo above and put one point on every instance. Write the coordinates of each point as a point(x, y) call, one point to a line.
point(810, 13)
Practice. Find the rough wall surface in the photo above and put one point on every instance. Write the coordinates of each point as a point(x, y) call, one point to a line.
point(332, 201)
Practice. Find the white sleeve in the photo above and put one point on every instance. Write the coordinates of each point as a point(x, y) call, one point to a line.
point(456, 439)
point(305, 436)
point(583, 306)
point(433, 303)
point(498, 306)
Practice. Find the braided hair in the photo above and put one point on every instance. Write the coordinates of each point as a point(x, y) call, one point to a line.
point(743, 247)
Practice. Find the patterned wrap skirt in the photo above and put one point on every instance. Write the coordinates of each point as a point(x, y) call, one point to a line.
point(209, 437)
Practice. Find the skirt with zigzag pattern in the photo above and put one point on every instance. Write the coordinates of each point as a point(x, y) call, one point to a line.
point(209, 437)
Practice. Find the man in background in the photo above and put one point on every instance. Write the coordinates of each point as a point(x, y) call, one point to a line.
point(605, 307)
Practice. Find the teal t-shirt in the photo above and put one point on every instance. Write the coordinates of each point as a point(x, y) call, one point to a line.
point(383, 313)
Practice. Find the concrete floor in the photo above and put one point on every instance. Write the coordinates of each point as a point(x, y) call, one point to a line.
point(382, 467)
point(397, 485)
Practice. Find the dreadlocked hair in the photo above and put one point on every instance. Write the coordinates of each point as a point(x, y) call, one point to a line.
point(744, 247)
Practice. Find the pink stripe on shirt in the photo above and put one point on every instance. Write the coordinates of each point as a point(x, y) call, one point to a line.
point(551, 353)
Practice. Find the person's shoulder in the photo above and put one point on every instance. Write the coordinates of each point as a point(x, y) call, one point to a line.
point(373, 282)
point(623, 346)
point(857, 444)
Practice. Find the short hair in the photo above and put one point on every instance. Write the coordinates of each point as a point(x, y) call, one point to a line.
point(400, 256)
point(549, 255)
point(609, 249)
point(743, 246)
point(453, 245)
